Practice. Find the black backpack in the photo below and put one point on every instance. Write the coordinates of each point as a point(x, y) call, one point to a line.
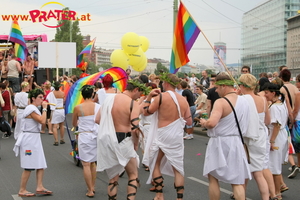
point(4, 126)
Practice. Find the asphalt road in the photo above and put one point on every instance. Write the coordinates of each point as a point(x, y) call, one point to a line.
point(66, 180)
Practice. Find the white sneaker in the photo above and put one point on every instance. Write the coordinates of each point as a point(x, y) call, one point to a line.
point(188, 137)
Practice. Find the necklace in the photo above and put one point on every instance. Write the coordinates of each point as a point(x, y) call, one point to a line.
point(230, 93)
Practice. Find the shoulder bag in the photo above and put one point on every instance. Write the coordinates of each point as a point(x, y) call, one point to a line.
point(238, 125)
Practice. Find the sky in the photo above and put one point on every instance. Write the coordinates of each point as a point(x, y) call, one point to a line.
point(219, 20)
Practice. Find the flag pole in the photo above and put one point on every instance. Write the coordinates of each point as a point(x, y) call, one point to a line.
point(227, 70)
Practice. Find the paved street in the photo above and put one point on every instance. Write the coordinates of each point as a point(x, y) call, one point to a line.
point(66, 180)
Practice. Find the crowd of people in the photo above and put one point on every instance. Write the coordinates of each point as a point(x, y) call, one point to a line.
point(157, 113)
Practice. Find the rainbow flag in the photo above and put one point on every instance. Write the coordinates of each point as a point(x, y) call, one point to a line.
point(74, 96)
point(87, 50)
point(185, 34)
point(17, 37)
point(65, 88)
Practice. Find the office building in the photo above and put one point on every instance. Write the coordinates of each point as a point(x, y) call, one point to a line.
point(264, 35)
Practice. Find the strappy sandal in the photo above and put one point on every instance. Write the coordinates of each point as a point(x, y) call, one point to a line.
point(283, 188)
point(179, 195)
point(158, 184)
point(134, 186)
point(113, 197)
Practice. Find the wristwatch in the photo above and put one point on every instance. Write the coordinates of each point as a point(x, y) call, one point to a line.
point(44, 109)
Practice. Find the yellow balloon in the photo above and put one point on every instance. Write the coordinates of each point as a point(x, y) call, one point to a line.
point(136, 57)
point(144, 43)
point(142, 65)
point(119, 58)
point(130, 42)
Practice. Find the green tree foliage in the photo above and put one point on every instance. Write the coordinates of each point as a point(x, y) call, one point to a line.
point(105, 66)
point(63, 35)
point(160, 68)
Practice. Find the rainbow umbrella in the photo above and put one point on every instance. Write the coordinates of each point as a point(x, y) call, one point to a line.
point(74, 95)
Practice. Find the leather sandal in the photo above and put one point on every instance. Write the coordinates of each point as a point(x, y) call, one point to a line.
point(158, 184)
point(179, 195)
point(113, 197)
point(134, 186)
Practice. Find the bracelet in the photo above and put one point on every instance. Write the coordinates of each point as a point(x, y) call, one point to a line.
point(272, 142)
point(147, 101)
point(44, 110)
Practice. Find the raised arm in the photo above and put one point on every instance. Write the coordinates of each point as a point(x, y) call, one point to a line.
point(150, 107)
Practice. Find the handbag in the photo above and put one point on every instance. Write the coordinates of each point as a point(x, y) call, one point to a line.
point(238, 125)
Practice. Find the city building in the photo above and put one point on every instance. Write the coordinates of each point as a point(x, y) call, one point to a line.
point(220, 48)
point(264, 35)
point(293, 45)
point(102, 56)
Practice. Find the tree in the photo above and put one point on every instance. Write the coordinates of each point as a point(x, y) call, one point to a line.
point(105, 66)
point(160, 68)
point(63, 34)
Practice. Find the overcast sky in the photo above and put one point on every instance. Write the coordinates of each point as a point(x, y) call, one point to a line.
point(111, 19)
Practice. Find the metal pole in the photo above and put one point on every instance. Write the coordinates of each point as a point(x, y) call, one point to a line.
point(175, 12)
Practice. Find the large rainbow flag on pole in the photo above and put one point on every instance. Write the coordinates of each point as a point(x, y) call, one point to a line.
point(17, 37)
point(185, 34)
point(87, 50)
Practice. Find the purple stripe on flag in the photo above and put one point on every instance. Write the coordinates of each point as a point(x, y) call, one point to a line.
point(192, 40)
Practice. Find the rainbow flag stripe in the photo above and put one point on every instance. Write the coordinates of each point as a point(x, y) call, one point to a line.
point(74, 96)
point(87, 50)
point(28, 152)
point(185, 34)
point(17, 37)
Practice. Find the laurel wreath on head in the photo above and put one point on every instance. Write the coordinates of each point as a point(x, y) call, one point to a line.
point(225, 82)
point(164, 77)
point(142, 87)
point(56, 84)
point(87, 87)
point(243, 84)
point(34, 93)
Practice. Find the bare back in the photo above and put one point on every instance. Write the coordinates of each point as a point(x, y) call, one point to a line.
point(121, 112)
point(168, 112)
point(293, 91)
point(59, 94)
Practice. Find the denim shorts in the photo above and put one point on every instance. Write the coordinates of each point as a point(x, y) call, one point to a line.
point(193, 112)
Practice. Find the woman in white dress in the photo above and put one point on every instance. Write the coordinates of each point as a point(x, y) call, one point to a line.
point(84, 118)
point(258, 146)
point(29, 143)
point(58, 114)
point(278, 135)
point(21, 101)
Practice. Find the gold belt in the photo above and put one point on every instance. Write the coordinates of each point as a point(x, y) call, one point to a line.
point(59, 108)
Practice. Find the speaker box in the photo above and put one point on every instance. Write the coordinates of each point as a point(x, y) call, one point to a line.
point(40, 76)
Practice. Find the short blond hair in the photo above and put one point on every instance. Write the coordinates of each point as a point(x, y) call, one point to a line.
point(249, 81)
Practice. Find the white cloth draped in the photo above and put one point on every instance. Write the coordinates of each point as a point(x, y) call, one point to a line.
point(87, 139)
point(58, 115)
point(279, 114)
point(111, 155)
point(29, 144)
point(255, 137)
point(225, 157)
point(169, 140)
point(21, 100)
point(52, 99)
